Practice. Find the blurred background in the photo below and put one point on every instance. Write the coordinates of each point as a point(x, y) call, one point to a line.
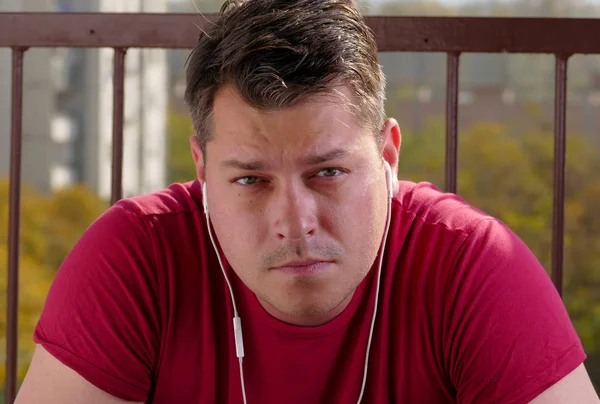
point(505, 142)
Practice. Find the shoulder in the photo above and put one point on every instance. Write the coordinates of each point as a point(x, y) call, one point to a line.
point(488, 295)
point(126, 240)
point(128, 224)
point(463, 237)
point(455, 251)
point(429, 227)
point(427, 204)
point(178, 198)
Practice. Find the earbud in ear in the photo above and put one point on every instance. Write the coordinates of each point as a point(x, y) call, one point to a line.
point(204, 198)
point(388, 179)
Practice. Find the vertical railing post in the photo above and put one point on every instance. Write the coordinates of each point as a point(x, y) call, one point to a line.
point(451, 121)
point(14, 215)
point(560, 119)
point(118, 112)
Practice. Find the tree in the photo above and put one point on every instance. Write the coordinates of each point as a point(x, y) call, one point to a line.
point(69, 213)
point(180, 166)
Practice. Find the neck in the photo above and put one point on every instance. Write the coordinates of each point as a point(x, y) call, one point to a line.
point(308, 320)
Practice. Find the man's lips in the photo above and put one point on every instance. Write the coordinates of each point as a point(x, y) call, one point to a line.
point(304, 267)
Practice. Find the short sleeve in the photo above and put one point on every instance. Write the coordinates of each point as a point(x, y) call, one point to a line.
point(100, 317)
point(508, 336)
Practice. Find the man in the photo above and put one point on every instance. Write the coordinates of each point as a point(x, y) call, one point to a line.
point(344, 283)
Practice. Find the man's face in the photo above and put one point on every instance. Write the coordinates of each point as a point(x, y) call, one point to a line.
point(297, 200)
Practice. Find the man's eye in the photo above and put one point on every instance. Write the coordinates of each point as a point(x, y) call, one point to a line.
point(329, 172)
point(250, 180)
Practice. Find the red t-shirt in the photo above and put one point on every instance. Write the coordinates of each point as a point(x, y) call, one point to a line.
point(467, 314)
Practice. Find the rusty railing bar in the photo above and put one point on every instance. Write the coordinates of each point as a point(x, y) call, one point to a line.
point(118, 112)
point(451, 121)
point(393, 34)
point(14, 215)
point(560, 119)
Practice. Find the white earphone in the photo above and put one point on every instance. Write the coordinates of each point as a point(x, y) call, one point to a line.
point(388, 179)
point(237, 324)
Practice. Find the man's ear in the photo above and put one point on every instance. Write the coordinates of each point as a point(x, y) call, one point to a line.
point(391, 141)
point(198, 157)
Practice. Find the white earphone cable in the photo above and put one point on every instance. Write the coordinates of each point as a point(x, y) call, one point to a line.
point(242, 381)
point(387, 228)
point(237, 322)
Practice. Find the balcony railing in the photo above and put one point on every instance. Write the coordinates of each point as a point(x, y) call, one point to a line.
point(450, 35)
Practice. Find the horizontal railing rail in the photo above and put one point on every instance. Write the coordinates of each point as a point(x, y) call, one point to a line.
point(394, 34)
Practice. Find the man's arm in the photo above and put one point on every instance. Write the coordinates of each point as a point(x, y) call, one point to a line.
point(574, 388)
point(49, 381)
point(100, 323)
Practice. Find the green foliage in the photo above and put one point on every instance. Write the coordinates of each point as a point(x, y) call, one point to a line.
point(180, 165)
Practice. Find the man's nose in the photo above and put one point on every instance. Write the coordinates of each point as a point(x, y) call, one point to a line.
point(294, 210)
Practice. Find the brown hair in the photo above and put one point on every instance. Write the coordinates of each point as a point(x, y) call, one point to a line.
point(276, 53)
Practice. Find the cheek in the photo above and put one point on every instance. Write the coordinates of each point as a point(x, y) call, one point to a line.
point(234, 217)
point(356, 217)
point(238, 233)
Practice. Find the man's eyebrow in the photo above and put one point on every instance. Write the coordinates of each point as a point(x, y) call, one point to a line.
point(325, 157)
point(258, 165)
point(255, 165)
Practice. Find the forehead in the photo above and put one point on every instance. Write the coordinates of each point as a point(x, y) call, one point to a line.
point(319, 122)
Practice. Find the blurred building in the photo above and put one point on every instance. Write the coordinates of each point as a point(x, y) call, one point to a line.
point(178, 57)
point(68, 109)
point(40, 152)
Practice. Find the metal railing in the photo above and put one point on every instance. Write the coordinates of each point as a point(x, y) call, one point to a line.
point(450, 35)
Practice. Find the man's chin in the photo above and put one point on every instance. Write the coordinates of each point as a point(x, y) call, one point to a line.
point(306, 309)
